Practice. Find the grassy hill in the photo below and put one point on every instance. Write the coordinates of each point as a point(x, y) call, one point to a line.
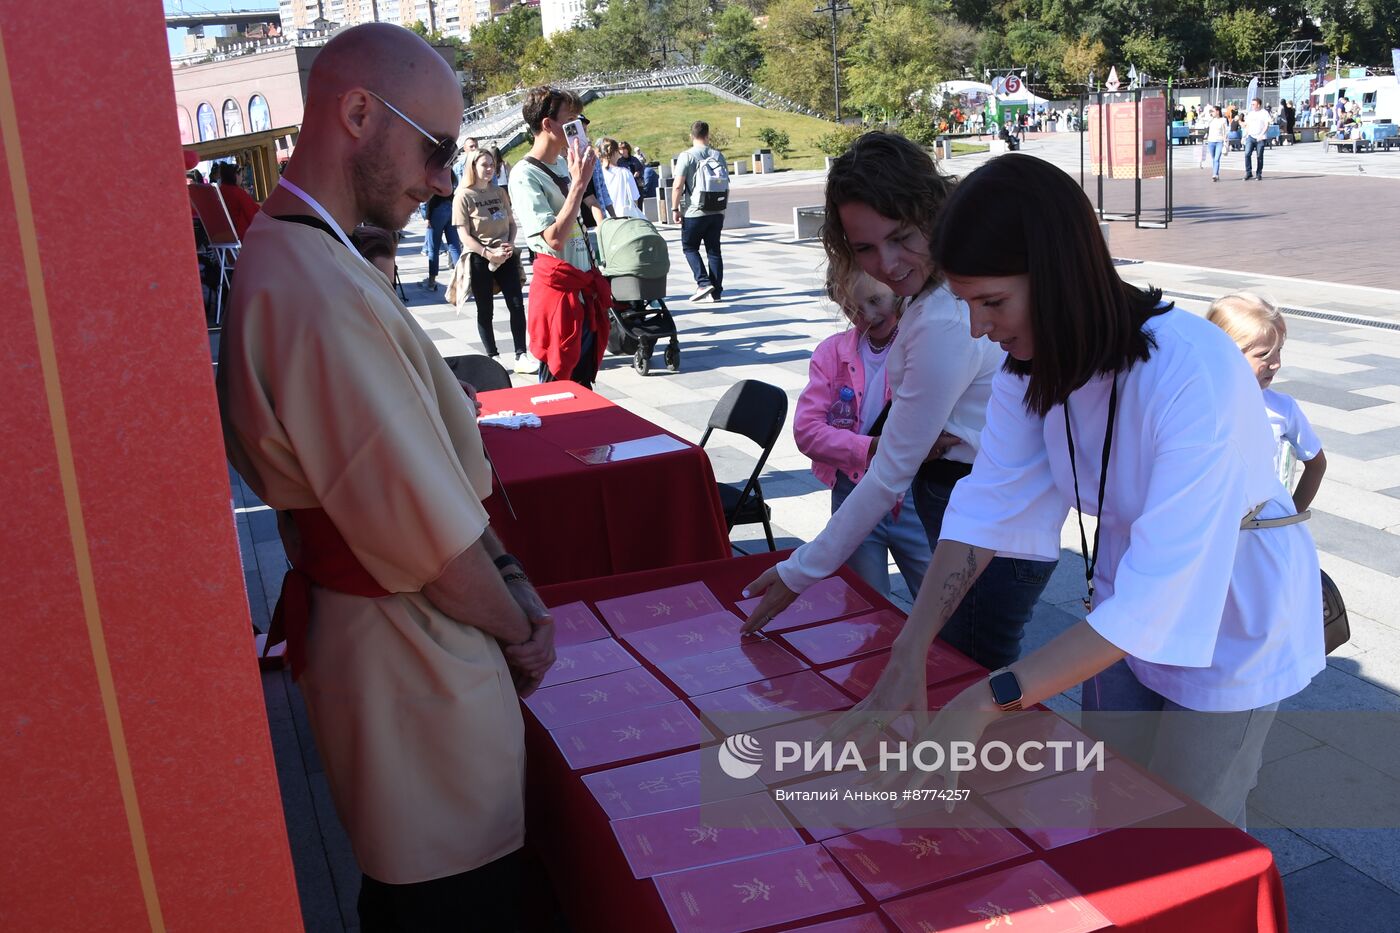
point(658, 122)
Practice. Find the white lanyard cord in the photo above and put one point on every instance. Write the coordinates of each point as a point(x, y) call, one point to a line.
point(322, 213)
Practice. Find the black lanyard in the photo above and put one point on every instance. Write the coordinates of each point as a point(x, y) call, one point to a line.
point(1091, 558)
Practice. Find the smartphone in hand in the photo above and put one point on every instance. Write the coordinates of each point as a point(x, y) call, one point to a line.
point(576, 135)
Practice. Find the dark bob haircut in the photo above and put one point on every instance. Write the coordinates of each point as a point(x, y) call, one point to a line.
point(1019, 215)
point(894, 178)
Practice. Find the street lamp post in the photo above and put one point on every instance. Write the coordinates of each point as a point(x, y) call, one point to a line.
point(835, 7)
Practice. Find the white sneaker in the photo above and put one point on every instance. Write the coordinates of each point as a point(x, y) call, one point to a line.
point(702, 293)
point(525, 364)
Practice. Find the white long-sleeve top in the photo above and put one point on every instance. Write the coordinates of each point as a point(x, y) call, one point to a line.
point(1211, 617)
point(940, 380)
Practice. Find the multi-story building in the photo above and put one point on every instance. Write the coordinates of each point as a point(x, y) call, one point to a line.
point(449, 17)
point(559, 15)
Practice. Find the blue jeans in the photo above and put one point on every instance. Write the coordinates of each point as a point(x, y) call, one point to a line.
point(697, 230)
point(988, 625)
point(1214, 758)
point(1251, 147)
point(440, 225)
point(1216, 149)
point(902, 537)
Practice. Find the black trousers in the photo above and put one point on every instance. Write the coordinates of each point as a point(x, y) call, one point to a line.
point(508, 277)
point(486, 899)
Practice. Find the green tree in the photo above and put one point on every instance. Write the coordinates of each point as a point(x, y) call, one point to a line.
point(901, 53)
point(684, 27)
point(734, 45)
point(496, 50)
point(1243, 38)
point(797, 53)
point(1081, 56)
point(620, 36)
point(557, 58)
point(1153, 54)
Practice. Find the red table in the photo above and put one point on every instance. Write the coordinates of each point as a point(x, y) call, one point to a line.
point(1160, 879)
point(577, 521)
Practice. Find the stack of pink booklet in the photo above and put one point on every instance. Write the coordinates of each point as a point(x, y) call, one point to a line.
point(639, 699)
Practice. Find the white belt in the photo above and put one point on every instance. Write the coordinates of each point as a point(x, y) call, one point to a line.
point(1252, 521)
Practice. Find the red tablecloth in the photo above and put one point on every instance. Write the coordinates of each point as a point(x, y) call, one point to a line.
point(1200, 880)
point(577, 521)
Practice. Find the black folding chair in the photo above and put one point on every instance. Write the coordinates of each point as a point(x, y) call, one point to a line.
point(757, 411)
point(484, 373)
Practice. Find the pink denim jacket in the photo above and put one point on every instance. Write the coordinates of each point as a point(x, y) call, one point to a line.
point(836, 362)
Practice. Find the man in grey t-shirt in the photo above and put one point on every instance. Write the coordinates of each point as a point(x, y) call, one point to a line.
point(698, 226)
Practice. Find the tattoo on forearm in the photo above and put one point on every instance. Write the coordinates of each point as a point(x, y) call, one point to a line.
point(956, 585)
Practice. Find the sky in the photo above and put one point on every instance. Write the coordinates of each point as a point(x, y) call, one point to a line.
point(177, 36)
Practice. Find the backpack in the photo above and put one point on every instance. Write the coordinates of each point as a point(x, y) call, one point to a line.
point(711, 182)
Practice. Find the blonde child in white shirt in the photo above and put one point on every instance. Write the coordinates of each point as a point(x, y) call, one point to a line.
point(1259, 330)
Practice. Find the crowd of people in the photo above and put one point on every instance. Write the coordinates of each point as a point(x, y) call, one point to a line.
point(997, 373)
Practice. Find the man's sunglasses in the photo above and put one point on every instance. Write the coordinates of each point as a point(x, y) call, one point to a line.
point(445, 151)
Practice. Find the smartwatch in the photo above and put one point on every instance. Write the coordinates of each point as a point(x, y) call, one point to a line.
point(1006, 689)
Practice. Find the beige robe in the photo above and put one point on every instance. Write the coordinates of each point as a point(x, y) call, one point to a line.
point(333, 396)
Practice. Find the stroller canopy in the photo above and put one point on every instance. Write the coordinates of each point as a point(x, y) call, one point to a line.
point(631, 246)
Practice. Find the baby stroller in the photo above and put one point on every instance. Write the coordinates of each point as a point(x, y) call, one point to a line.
point(634, 258)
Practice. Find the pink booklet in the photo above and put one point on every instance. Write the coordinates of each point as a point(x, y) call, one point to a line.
point(781, 887)
point(1030, 898)
point(858, 677)
point(668, 783)
point(706, 673)
point(891, 860)
point(831, 598)
point(693, 636)
point(790, 697)
point(1015, 731)
point(628, 614)
point(597, 697)
point(860, 923)
point(1080, 804)
point(848, 638)
point(772, 771)
point(590, 659)
point(634, 734)
point(704, 835)
point(575, 623)
point(821, 808)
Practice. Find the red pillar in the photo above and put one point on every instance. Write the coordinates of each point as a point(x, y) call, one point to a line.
point(137, 786)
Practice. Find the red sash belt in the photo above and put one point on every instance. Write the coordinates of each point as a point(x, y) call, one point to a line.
point(325, 560)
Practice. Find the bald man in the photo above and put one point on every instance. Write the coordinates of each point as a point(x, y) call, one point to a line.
point(409, 630)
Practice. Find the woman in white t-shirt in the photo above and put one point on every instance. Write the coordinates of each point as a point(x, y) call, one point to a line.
point(1215, 139)
point(1148, 417)
point(622, 187)
point(883, 196)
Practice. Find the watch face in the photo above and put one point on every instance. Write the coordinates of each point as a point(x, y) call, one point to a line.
point(1005, 688)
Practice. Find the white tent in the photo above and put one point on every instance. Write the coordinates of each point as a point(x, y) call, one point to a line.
point(1023, 96)
point(963, 89)
point(1353, 87)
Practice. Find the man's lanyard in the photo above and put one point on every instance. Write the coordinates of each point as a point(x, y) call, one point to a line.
point(323, 214)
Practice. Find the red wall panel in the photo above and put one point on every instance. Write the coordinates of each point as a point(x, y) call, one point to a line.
point(137, 786)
